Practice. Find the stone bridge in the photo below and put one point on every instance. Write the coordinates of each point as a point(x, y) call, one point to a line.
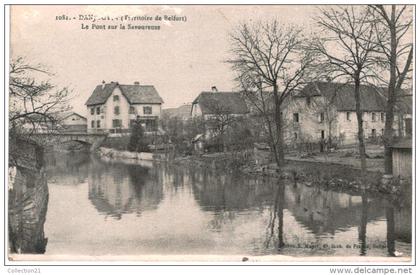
point(94, 140)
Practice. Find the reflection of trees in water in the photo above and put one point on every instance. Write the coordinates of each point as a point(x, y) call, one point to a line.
point(67, 168)
point(326, 211)
point(27, 205)
point(116, 189)
point(363, 225)
point(220, 192)
point(276, 214)
point(398, 219)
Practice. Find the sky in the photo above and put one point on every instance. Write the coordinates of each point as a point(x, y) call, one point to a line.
point(180, 60)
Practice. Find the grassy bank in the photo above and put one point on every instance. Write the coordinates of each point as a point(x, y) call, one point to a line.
point(340, 176)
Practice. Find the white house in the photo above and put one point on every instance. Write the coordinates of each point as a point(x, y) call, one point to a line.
point(74, 122)
point(327, 109)
point(113, 107)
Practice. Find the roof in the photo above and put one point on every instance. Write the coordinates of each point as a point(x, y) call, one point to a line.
point(405, 143)
point(405, 104)
point(135, 94)
point(74, 113)
point(182, 112)
point(342, 95)
point(221, 102)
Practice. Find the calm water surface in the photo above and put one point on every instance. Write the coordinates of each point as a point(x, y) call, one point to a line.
point(98, 207)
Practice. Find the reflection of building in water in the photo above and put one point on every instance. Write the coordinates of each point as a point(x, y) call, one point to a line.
point(123, 189)
point(67, 168)
point(402, 218)
point(327, 211)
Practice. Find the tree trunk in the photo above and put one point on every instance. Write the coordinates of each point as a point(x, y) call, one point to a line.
point(280, 218)
point(363, 225)
point(389, 119)
point(360, 131)
point(279, 128)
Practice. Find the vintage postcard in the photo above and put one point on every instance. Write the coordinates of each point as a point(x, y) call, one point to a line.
point(276, 134)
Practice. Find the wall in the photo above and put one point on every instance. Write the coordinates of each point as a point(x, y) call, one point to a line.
point(196, 111)
point(109, 110)
point(75, 120)
point(402, 162)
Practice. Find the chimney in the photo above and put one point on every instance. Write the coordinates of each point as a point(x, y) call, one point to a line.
point(136, 83)
point(103, 84)
point(214, 89)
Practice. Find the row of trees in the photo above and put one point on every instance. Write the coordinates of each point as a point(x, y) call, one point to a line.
point(359, 45)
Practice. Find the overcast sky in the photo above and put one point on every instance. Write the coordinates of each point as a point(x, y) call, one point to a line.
point(180, 60)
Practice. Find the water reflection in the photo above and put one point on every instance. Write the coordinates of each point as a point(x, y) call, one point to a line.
point(117, 189)
point(165, 209)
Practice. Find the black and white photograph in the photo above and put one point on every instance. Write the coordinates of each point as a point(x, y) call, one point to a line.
point(225, 134)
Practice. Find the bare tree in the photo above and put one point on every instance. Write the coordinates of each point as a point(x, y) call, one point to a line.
point(33, 102)
point(219, 121)
point(270, 63)
point(33, 105)
point(392, 26)
point(347, 52)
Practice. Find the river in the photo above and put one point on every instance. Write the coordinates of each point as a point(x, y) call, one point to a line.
point(99, 207)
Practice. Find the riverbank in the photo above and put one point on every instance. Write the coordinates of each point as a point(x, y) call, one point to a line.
point(336, 171)
point(311, 171)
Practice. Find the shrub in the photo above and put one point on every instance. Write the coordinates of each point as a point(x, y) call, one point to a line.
point(138, 142)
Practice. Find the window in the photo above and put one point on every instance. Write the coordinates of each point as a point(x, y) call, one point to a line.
point(98, 110)
point(321, 117)
point(116, 123)
point(98, 124)
point(296, 117)
point(296, 136)
point(92, 124)
point(131, 110)
point(147, 110)
point(382, 117)
point(373, 117)
point(116, 98)
point(348, 116)
point(92, 111)
point(308, 101)
point(382, 131)
point(322, 134)
point(116, 110)
point(373, 132)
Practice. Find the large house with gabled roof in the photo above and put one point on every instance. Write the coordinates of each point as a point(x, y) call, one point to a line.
point(113, 107)
point(323, 110)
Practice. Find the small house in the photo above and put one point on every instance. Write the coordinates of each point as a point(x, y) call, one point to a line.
point(217, 109)
point(74, 123)
point(402, 158)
